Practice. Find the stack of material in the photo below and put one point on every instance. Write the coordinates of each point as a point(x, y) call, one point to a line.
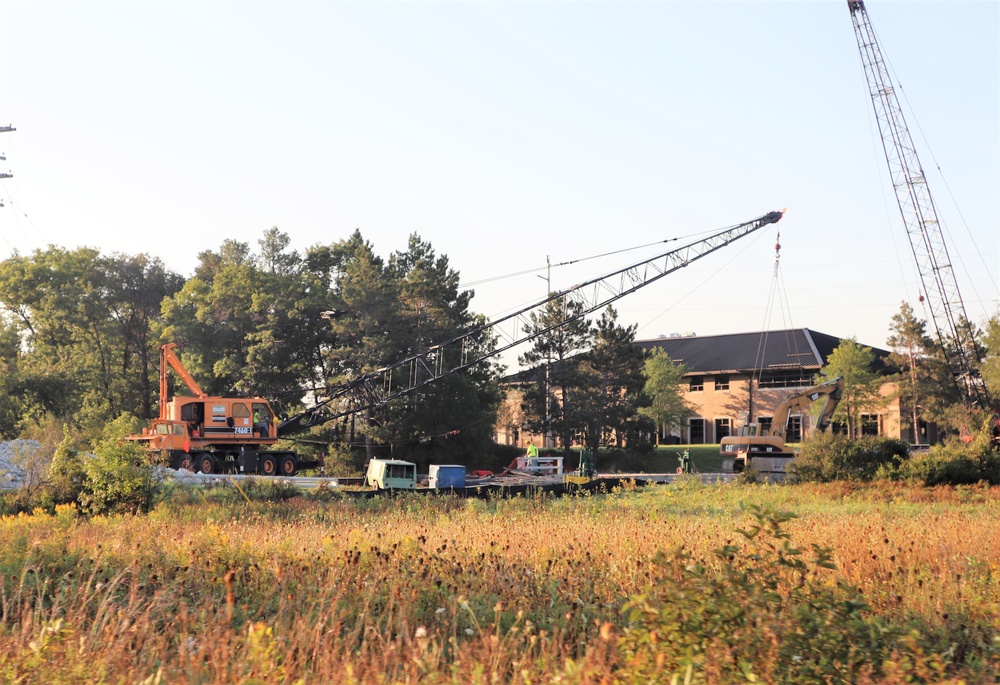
point(12, 455)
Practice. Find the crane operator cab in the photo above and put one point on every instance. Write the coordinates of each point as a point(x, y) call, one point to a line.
point(262, 420)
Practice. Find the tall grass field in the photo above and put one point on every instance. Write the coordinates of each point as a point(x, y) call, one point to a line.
point(686, 583)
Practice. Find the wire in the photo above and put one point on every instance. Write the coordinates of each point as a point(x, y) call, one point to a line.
point(941, 223)
point(715, 273)
point(582, 259)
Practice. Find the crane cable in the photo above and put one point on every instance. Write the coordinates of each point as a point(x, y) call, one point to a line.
point(777, 294)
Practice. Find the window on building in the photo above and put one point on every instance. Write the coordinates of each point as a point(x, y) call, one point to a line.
point(697, 430)
point(794, 431)
point(869, 424)
point(838, 428)
point(696, 383)
point(723, 428)
point(722, 382)
point(785, 379)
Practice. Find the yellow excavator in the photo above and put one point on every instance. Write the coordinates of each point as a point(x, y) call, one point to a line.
point(765, 452)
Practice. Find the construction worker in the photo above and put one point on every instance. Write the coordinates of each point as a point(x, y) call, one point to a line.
point(586, 468)
point(685, 460)
point(532, 450)
point(261, 426)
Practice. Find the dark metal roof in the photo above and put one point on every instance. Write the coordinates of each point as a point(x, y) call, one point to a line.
point(791, 349)
point(743, 352)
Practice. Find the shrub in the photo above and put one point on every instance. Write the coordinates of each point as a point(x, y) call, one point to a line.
point(826, 457)
point(119, 479)
point(763, 614)
point(952, 463)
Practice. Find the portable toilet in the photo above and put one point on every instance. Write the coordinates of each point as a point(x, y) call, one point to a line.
point(443, 477)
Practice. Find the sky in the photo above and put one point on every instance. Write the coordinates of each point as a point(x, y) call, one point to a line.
point(511, 135)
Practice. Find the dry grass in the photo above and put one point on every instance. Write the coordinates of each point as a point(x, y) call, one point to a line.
point(422, 589)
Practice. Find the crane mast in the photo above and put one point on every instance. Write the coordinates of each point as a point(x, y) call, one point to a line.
point(937, 278)
point(483, 342)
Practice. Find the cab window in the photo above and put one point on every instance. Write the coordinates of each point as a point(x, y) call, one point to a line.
point(240, 410)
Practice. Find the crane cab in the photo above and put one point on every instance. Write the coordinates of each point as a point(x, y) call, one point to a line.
point(225, 420)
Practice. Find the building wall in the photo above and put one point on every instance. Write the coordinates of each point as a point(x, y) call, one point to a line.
point(717, 404)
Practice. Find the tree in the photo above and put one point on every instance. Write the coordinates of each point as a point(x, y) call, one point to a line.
point(455, 414)
point(611, 382)
point(251, 324)
point(549, 404)
point(991, 363)
point(663, 386)
point(134, 290)
point(854, 362)
point(910, 347)
point(387, 311)
point(84, 321)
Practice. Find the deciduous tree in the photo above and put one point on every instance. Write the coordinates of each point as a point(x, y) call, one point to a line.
point(854, 362)
point(663, 386)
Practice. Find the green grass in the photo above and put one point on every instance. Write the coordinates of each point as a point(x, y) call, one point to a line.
point(663, 459)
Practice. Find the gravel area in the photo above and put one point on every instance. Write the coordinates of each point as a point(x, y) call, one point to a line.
point(11, 454)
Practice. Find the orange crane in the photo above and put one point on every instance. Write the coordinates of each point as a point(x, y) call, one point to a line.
point(216, 434)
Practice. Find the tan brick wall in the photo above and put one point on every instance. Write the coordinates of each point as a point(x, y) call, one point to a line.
point(710, 403)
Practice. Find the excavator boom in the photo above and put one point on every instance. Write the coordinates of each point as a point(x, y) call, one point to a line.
point(832, 390)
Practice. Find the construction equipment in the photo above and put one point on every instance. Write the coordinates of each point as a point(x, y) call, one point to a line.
point(226, 437)
point(952, 327)
point(218, 434)
point(483, 342)
point(765, 452)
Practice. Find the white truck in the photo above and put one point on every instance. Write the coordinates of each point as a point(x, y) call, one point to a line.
point(391, 474)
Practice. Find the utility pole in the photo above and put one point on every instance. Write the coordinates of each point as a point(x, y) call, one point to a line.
point(3, 158)
point(547, 437)
point(5, 129)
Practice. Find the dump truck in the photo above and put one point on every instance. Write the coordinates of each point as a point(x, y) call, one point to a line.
point(215, 434)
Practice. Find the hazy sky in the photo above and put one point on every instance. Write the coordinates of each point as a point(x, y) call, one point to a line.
point(508, 132)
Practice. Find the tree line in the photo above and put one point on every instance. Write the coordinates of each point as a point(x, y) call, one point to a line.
point(79, 332)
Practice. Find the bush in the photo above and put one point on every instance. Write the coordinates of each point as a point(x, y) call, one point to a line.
point(952, 463)
point(119, 479)
point(826, 457)
point(764, 614)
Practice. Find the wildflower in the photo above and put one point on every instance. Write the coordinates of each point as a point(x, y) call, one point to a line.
point(421, 632)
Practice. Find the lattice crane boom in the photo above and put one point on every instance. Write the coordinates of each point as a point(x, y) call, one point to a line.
point(927, 243)
point(483, 342)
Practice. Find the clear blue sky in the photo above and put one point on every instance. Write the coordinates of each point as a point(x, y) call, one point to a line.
point(505, 132)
